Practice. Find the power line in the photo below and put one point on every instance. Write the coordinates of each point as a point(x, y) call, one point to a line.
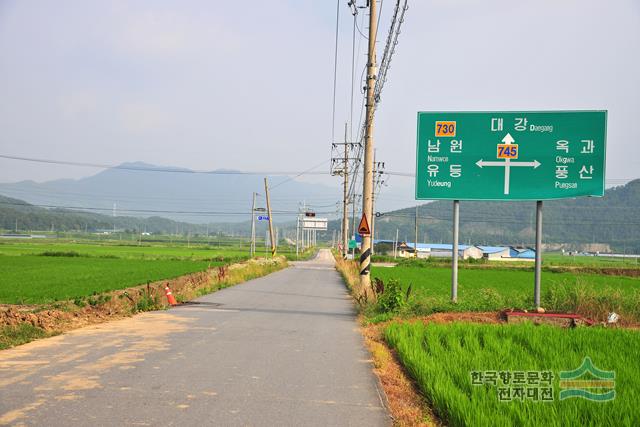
point(335, 73)
point(154, 168)
point(78, 209)
point(300, 174)
point(507, 221)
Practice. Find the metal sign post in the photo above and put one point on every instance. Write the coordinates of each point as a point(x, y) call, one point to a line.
point(538, 271)
point(454, 253)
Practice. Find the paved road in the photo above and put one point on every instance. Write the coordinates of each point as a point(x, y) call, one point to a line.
point(279, 350)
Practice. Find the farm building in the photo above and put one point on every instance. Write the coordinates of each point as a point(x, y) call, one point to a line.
point(521, 253)
point(443, 250)
point(508, 253)
point(494, 252)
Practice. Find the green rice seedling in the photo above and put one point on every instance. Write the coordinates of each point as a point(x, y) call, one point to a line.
point(442, 358)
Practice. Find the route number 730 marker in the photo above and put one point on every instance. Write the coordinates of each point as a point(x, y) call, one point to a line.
point(508, 152)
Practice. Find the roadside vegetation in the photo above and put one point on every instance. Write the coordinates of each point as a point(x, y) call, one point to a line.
point(12, 335)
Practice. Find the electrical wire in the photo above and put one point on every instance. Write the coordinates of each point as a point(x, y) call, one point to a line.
point(300, 174)
point(335, 73)
point(93, 208)
point(153, 168)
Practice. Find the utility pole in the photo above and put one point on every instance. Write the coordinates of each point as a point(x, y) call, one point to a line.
point(345, 203)
point(271, 236)
point(367, 178)
point(373, 205)
point(252, 249)
point(353, 222)
point(378, 171)
point(297, 231)
point(395, 245)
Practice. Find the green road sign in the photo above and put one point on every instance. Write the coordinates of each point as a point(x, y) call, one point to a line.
point(353, 244)
point(525, 155)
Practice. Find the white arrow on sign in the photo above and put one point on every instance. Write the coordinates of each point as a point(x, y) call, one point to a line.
point(533, 164)
point(508, 139)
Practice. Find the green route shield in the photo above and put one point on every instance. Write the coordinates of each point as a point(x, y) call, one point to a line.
point(525, 155)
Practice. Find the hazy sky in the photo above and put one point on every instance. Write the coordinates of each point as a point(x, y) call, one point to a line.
point(248, 85)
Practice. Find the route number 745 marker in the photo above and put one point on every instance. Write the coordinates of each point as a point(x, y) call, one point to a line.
point(508, 151)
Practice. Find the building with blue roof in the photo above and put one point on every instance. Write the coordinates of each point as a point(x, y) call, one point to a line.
point(444, 250)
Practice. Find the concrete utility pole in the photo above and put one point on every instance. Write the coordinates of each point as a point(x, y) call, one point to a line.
point(395, 245)
point(252, 250)
point(297, 233)
point(373, 205)
point(345, 195)
point(367, 178)
point(271, 235)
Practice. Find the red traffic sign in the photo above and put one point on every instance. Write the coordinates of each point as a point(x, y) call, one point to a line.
point(363, 228)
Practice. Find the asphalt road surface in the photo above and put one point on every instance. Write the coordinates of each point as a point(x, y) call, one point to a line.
point(282, 350)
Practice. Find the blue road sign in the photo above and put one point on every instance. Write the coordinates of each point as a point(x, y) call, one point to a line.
point(263, 218)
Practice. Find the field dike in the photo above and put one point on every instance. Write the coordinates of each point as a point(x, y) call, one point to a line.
point(23, 323)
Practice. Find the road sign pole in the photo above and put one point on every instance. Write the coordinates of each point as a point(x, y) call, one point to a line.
point(454, 253)
point(538, 252)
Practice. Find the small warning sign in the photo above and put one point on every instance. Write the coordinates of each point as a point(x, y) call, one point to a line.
point(363, 228)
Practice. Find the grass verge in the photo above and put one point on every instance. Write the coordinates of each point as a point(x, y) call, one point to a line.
point(12, 335)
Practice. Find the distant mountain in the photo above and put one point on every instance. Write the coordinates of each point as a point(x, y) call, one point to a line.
point(18, 215)
point(613, 219)
point(175, 195)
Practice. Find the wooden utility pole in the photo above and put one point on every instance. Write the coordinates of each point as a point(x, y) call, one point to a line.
point(252, 250)
point(271, 236)
point(345, 202)
point(367, 178)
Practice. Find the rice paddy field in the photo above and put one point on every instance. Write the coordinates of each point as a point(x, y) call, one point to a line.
point(33, 279)
point(48, 270)
point(496, 375)
point(126, 250)
point(487, 289)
